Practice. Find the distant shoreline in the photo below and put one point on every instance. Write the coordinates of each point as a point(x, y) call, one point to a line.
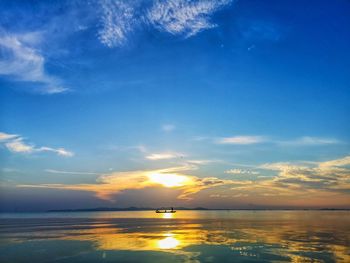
point(87, 210)
point(111, 209)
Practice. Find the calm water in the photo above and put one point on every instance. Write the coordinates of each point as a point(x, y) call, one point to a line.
point(187, 236)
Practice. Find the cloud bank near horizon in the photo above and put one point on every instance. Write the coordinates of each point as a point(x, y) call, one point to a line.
point(315, 181)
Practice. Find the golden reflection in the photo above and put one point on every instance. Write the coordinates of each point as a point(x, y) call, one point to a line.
point(170, 242)
point(142, 239)
point(167, 215)
point(292, 238)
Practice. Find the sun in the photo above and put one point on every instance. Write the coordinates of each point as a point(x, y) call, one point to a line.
point(169, 180)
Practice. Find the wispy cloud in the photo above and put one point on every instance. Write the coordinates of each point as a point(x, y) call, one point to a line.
point(6, 136)
point(121, 19)
point(258, 30)
point(308, 140)
point(241, 171)
point(168, 127)
point(16, 144)
point(181, 17)
point(22, 60)
point(59, 151)
point(164, 156)
point(202, 162)
point(53, 171)
point(248, 139)
point(9, 170)
point(303, 179)
point(241, 140)
point(153, 156)
point(201, 138)
point(140, 148)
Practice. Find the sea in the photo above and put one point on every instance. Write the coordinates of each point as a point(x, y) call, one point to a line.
point(185, 236)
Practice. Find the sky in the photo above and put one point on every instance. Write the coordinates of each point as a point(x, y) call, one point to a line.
point(219, 104)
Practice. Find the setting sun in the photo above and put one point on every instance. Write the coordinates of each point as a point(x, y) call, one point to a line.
point(174, 131)
point(169, 180)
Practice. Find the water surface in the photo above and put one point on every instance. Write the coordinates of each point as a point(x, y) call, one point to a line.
point(186, 236)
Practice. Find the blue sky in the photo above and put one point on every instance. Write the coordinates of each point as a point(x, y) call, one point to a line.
point(243, 98)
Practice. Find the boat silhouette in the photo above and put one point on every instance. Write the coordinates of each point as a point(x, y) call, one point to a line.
point(165, 210)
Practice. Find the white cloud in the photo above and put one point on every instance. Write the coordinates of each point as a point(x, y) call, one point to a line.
point(59, 151)
point(278, 166)
point(118, 21)
point(6, 136)
point(16, 144)
point(22, 60)
point(121, 19)
point(168, 127)
point(181, 17)
point(241, 140)
point(241, 171)
point(164, 156)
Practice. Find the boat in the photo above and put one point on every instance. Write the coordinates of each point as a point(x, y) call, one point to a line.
point(165, 210)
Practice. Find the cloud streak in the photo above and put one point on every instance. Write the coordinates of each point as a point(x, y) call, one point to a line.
point(300, 141)
point(16, 144)
point(6, 136)
point(163, 156)
point(309, 141)
point(241, 140)
point(53, 171)
point(22, 60)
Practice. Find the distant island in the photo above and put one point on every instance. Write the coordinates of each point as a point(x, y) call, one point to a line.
point(132, 208)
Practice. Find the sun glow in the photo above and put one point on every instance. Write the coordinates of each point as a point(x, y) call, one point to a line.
point(167, 215)
point(169, 180)
point(168, 243)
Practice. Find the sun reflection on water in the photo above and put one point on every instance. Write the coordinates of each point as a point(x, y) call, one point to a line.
point(169, 242)
point(297, 240)
point(168, 215)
